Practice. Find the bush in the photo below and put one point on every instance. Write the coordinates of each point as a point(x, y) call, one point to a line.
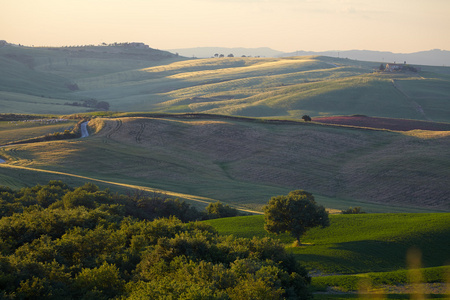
point(84, 243)
point(218, 210)
point(353, 210)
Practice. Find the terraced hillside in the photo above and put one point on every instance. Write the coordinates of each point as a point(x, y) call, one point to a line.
point(38, 80)
point(246, 161)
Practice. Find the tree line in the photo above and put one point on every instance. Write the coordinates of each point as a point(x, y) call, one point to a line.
point(103, 105)
point(59, 242)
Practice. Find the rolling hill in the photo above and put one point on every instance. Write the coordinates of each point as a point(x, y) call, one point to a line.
point(42, 80)
point(435, 57)
point(135, 78)
point(357, 243)
point(244, 161)
point(238, 160)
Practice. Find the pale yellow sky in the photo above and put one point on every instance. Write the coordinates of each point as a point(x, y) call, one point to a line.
point(286, 25)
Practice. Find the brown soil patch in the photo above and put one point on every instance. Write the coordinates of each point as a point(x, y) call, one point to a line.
point(384, 123)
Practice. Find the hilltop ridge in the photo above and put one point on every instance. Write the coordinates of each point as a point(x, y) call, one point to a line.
point(433, 57)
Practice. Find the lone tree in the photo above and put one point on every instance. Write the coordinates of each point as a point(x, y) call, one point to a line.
point(306, 118)
point(294, 213)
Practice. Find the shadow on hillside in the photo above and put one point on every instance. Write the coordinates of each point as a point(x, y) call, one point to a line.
point(377, 256)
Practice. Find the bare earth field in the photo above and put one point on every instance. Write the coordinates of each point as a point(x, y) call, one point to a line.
point(384, 123)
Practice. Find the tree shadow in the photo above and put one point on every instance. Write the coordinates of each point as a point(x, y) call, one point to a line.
point(377, 256)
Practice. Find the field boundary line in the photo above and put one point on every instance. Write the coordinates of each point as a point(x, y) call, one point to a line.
point(416, 105)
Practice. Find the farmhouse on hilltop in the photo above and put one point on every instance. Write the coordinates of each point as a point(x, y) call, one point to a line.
point(400, 67)
point(394, 67)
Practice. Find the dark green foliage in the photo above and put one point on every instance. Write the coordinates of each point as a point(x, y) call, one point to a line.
point(400, 277)
point(57, 242)
point(306, 118)
point(295, 213)
point(92, 103)
point(353, 210)
point(218, 210)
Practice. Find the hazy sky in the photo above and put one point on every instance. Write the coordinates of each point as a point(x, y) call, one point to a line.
point(286, 25)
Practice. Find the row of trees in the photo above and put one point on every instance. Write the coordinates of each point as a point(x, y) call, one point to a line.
point(58, 242)
point(217, 55)
point(102, 105)
point(221, 55)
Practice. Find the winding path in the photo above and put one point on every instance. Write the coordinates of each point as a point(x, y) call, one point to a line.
point(84, 131)
point(1, 159)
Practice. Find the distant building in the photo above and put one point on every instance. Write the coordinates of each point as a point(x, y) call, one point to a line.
point(400, 68)
point(3, 43)
point(394, 67)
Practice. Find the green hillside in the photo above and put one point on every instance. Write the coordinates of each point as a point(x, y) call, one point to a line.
point(373, 248)
point(244, 162)
point(133, 79)
point(42, 80)
point(358, 243)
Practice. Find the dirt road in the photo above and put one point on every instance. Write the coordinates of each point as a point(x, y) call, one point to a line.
point(84, 131)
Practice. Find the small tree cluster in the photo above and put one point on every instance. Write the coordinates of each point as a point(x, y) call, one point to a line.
point(103, 105)
point(218, 210)
point(353, 210)
point(306, 118)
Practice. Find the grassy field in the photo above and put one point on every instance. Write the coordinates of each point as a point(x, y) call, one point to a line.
point(371, 247)
point(244, 162)
point(38, 80)
point(41, 80)
point(12, 131)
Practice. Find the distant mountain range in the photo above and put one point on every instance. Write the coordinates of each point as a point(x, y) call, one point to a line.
point(434, 57)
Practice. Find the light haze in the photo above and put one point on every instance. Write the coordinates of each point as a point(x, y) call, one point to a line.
point(403, 26)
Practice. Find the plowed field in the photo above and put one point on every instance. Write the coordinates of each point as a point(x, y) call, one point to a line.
point(384, 123)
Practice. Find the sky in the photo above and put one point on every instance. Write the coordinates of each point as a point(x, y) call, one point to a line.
point(400, 26)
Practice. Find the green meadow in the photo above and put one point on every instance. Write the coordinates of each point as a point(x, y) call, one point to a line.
point(354, 248)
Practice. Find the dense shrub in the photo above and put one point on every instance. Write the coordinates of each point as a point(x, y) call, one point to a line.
point(353, 210)
point(57, 242)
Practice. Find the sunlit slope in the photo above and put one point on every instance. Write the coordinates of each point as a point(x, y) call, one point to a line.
point(282, 87)
point(248, 161)
point(202, 85)
point(39, 80)
point(42, 80)
point(13, 131)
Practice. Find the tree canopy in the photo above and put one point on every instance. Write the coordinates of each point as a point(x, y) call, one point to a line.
point(59, 242)
point(295, 213)
point(306, 118)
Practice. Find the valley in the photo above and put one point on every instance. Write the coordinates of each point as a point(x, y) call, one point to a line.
point(121, 121)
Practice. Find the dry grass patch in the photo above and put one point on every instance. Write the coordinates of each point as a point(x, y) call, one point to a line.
point(427, 134)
